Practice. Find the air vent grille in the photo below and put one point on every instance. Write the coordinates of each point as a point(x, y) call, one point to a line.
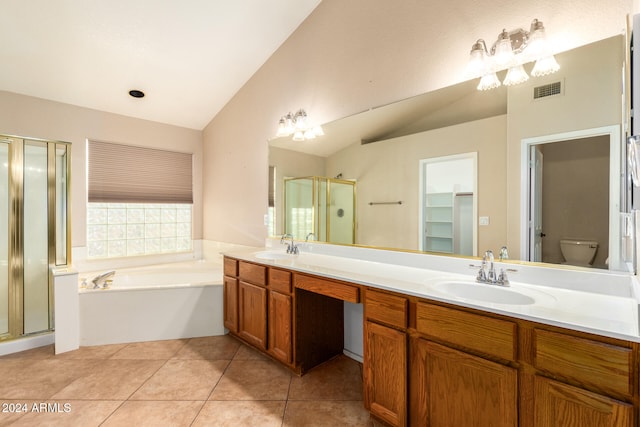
point(547, 90)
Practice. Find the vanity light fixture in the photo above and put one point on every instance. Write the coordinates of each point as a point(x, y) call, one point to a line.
point(299, 126)
point(510, 51)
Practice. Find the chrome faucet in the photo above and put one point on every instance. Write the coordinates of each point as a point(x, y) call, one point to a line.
point(291, 248)
point(306, 239)
point(487, 272)
point(101, 279)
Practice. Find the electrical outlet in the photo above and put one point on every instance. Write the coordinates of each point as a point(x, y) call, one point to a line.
point(483, 220)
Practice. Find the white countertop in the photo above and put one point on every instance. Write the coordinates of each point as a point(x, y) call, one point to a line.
point(558, 297)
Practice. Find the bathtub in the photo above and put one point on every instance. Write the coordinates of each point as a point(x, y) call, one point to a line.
point(159, 302)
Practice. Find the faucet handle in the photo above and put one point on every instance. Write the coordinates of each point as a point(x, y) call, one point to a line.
point(482, 273)
point(503, 280)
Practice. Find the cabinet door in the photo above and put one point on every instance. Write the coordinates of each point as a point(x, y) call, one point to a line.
point(231, 303)
point(252, 316)
point(559, 404)
point(385, 373)
point(461, 390)
point(280, 332)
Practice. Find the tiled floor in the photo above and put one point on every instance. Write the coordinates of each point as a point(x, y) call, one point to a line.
point(212, 381)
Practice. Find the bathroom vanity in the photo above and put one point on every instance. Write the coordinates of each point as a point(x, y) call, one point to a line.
point(433, 356)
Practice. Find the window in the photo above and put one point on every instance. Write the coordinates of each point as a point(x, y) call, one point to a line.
point(128, 229)
point(140, 201)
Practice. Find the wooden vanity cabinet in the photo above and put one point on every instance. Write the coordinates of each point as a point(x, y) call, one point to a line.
point(559, 404)
point(429, 363)
point(280, 320)
point(230, 294)
point(582, 381)
point(460, 369)
point(252, 304)
point(385, 356)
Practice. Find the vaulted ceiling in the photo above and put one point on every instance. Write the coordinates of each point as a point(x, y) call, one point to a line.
point(189, 57)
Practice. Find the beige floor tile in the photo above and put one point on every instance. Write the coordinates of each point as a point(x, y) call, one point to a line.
point(92, 352)
point(111, 380)
point(247, 353)
point(253, 380)
point(154, 414)
point(68, 413)
point(46, 352)
point(239, 414)
point(210, 348)
point(326, 413)
point(150, 350)
point(337, 379)
point(182, 380)
point(40, 379)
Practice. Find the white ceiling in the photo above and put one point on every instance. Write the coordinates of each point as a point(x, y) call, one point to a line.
point(190, 56)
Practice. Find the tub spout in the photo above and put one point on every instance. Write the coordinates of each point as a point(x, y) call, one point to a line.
point(100, 279)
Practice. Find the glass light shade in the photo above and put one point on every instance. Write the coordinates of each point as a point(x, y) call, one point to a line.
point(298, 136)
point(537, 45)
point(308, 134)
point(317, 130)
point(515, 75)
point(488, 82)
point(545, 66)
point(301, 120)
point(289, 124)
point(503, 55)
point(282, 128)
point(478, 61)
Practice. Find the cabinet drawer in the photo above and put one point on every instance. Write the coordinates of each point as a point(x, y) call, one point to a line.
point(230, 267)
point(280, 280)
point(386, 308)
point(603, 366)
point(329, 288)
point(476, 332)
point(253, 273)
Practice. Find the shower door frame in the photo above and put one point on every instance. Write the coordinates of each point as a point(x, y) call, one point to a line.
point(15, 233)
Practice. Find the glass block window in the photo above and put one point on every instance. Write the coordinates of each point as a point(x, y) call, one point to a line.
point(129, 229)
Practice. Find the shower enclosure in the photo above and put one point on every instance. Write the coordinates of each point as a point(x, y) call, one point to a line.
point(34, 206)
point(322, 206)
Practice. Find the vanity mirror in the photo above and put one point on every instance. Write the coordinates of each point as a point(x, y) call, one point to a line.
point(574, 117)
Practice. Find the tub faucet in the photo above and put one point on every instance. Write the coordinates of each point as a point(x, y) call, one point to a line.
point(101, 279)
point(291, 248)
point(306, 239)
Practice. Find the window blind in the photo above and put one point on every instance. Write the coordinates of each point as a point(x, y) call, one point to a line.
point(127, 174)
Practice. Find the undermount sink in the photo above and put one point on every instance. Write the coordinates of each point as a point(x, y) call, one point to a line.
point(273, 255)
point(485, 293)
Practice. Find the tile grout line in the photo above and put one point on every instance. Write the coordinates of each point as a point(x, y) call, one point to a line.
point(215, 385)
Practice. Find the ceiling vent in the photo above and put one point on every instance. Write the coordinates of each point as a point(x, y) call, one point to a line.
point(550, 89)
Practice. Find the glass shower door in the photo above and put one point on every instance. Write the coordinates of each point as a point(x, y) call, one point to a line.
point(36, 237)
